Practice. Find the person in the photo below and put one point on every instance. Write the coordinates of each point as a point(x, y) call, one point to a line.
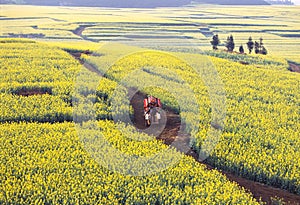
point(152, 108)
point(152, 102)
point(147, 117)
point(158, 116)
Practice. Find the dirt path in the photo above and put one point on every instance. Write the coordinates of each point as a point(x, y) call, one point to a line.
point(294, 67)
point(89, 66)
point(170, 133)
point(79, 30)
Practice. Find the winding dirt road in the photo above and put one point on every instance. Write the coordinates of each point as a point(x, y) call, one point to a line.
point(170, 133)
point(78, 31)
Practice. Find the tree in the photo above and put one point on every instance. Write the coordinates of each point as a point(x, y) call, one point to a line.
point(241, 49)
point(264, 51)
point(230, 43)
point(250, 44)
point(215, 42)
point(259, 47)
point(256, 47)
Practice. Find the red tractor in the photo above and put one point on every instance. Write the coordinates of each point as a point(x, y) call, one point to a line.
point(152, 108)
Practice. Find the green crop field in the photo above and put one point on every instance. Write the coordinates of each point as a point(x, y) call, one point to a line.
point(279, 26)
point(71, 89)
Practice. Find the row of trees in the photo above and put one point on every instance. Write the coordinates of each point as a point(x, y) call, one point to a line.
point(230, 45)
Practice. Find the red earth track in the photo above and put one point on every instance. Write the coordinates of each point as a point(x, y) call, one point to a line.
point(260, 191)
point(294, 67)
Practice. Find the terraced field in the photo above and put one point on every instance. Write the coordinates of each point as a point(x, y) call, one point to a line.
point(279, 26)
point(72, 128)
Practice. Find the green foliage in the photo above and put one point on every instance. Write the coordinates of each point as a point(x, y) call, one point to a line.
point(230, 43)
point(250, 44)
point(215, 42)
point(264, 62)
